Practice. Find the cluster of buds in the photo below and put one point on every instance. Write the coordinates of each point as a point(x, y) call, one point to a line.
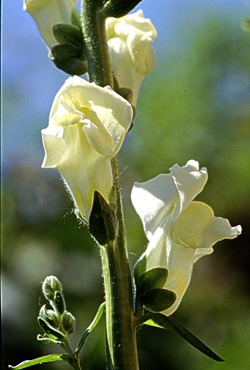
point(55, 321)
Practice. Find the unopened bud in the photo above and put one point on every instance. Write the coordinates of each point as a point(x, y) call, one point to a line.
point(50, 285)
point(68, 322)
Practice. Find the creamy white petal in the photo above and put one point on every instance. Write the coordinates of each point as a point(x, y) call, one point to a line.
point(154, 200)
point(197, 227)
point(108, 110)
point(47, 13)
point(189, 181)
point(180, 230)
point(86, 129)
point(131, 53)
point(166, 194)
point(163, 252)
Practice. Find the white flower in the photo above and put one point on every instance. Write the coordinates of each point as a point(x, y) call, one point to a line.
point(179, 230)
point(47, 13)
point(87, 126)
point(132, 55)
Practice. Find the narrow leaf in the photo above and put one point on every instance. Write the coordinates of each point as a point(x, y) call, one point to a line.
point(41, 360)
point(164, 322)
point(91, 327)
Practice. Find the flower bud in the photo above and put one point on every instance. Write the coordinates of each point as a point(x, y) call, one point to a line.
point(50, 285)
point(68, 322)
point(50, 316)
point(49, 330)
point(131, 53)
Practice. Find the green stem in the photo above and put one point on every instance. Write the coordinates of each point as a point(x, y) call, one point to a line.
point(93, 23)
point(120, 319)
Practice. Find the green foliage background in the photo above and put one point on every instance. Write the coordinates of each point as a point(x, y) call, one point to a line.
point(196, 104)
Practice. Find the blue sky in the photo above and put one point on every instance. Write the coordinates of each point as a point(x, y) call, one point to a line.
point(30, 80)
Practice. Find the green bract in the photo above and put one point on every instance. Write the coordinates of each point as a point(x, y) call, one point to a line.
point(179, 230)
point(87, 126)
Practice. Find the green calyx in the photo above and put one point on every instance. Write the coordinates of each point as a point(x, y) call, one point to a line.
point(153, 278)
point(157, 300)
point(118, 8)
point(69, 54)
point(67, 33)
point(150, 285)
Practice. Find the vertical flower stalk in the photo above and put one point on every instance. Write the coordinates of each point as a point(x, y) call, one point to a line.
point(120, 323)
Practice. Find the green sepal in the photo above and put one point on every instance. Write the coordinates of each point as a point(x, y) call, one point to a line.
point(43, 339)
point(42, 360)
point(76, 18)
point(49, 330)
point(140, 268)
point(158, 300)
point(127, 94)
point(59, 302)
point(90, 328)
point(154, 278)
point(118, 8)
point(101, 231)
point(65, 50)
point(71, 66)
point(67, 33)
point(50, 285)
point(161, 321)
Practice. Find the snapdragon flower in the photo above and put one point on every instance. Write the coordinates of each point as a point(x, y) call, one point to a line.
point(47, 13)
point(87, 126)
point(180, 230)
point(131, 53)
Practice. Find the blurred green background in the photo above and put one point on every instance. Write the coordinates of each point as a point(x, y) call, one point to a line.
point(196, 104)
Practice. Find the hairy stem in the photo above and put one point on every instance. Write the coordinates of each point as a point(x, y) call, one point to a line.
point(120, 321)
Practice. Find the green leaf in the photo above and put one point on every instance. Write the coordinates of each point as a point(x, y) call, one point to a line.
point(154, 278)
point(164, 322)
point(90, 328)
point(43, 339)
point(41, 360)
point(158, 300)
